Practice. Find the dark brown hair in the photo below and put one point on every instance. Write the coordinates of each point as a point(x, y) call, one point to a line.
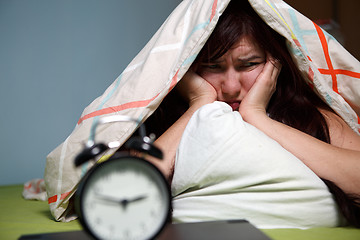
point(294, 103)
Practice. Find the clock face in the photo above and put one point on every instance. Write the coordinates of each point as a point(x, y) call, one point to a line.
point(125, 198)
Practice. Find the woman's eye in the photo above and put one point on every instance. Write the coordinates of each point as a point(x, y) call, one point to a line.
point(250, 64)
point(211, 67)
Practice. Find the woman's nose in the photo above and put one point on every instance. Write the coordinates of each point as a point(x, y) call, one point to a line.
point(231, 85)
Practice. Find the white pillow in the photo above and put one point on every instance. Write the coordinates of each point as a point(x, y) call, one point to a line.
point(227, 169)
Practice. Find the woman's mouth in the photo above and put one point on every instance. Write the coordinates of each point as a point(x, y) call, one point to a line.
point(234, 105)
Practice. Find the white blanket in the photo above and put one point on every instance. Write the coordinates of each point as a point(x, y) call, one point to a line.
point(137, 92)
point(228, 169)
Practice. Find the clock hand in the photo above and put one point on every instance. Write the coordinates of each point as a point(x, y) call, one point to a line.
point(125, 202)
point(139, 198)
point(108, 198)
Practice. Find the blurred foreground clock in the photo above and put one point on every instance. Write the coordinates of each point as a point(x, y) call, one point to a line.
point(125, 197)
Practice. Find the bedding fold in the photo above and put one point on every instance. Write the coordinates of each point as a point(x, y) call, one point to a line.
point(227, 169)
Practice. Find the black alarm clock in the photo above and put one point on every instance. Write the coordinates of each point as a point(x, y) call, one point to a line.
point(126, 196)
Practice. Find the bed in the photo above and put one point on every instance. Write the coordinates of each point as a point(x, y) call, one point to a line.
point(20, 217)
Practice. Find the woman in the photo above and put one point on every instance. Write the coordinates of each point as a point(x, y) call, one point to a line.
point(246, 64)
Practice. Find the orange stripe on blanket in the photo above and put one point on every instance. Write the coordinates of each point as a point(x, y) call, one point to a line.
point(54, 198)
point(28, 186)
point(340, 71)
point(36, 189)
point(327, 57)
point(311, 77)
point(213, 10)
point(118, 108)
point(297, 42)
point(174, 81)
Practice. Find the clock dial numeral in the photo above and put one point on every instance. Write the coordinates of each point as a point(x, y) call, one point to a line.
point(127, 233)
point(112, 229)
point(143, 226)
point(153, 213)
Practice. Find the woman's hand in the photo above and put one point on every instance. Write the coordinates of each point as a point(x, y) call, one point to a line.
point(257, 99)
point(198, 92)
point(195, 89)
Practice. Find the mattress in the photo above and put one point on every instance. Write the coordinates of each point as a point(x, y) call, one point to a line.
point(21, 217)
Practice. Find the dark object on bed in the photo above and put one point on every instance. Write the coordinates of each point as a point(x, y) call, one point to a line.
point(233, 229)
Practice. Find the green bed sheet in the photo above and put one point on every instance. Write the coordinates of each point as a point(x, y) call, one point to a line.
point(19, 217)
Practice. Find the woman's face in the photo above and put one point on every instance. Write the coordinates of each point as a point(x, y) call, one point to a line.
point(233, 74)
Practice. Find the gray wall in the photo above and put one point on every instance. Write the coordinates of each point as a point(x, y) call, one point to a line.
point(56, 56)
